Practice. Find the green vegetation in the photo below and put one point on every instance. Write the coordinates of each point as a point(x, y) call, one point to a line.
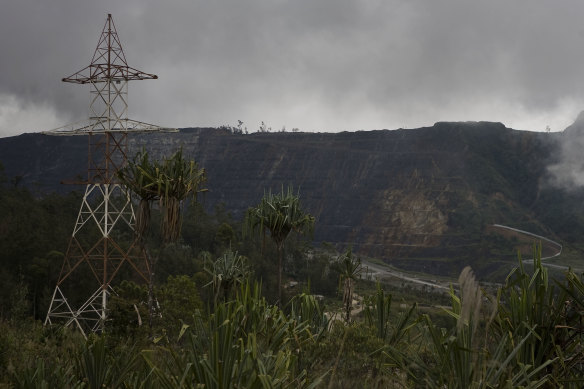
point(350, 270)
point(170, 182)
point(220, 324)
point(279, 214)
point(529, 335)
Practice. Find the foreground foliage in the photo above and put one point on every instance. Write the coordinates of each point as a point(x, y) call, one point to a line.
point(244, 343)
point(528, 335)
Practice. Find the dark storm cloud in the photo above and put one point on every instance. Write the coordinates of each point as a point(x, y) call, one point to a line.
point(326, 65)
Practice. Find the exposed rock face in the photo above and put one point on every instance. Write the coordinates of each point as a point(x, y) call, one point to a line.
point(424, 193)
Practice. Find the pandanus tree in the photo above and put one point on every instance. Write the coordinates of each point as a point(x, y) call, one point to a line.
point(228, 272)
point(170, 182)
point(350, 268)
point(138, 176)
point(278, 214)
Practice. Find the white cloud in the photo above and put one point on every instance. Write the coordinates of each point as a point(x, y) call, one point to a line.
point(17, 116)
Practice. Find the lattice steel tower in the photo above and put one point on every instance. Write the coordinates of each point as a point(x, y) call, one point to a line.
point(106, 217)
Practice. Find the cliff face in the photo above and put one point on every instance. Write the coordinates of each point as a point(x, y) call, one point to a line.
point(419, 198)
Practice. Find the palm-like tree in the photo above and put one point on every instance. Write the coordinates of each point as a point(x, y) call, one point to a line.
point(179, 179)
point(137, 176)
point(170, 182)
point(279, 214)
point(228, 271)
point(350, 268)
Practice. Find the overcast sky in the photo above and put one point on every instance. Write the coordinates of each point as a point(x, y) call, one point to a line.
point(316, 65)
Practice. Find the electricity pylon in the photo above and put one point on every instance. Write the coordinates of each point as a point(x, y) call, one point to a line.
point(95, 254)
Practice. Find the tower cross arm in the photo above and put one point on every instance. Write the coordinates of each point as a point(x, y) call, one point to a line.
point(98, 126)
point(108, 72)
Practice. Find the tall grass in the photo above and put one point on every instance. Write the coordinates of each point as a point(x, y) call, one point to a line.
point(245, 343)
point(523, 337)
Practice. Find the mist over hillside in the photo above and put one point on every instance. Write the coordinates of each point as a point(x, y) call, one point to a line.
point(421, 199)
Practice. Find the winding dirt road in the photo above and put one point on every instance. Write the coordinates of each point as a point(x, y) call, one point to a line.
point(378, 271)
point(553, 243)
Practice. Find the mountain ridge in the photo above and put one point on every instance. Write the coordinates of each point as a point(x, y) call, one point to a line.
point(417, 198)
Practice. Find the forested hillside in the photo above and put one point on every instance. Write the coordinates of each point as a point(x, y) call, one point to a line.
point(419, 198)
